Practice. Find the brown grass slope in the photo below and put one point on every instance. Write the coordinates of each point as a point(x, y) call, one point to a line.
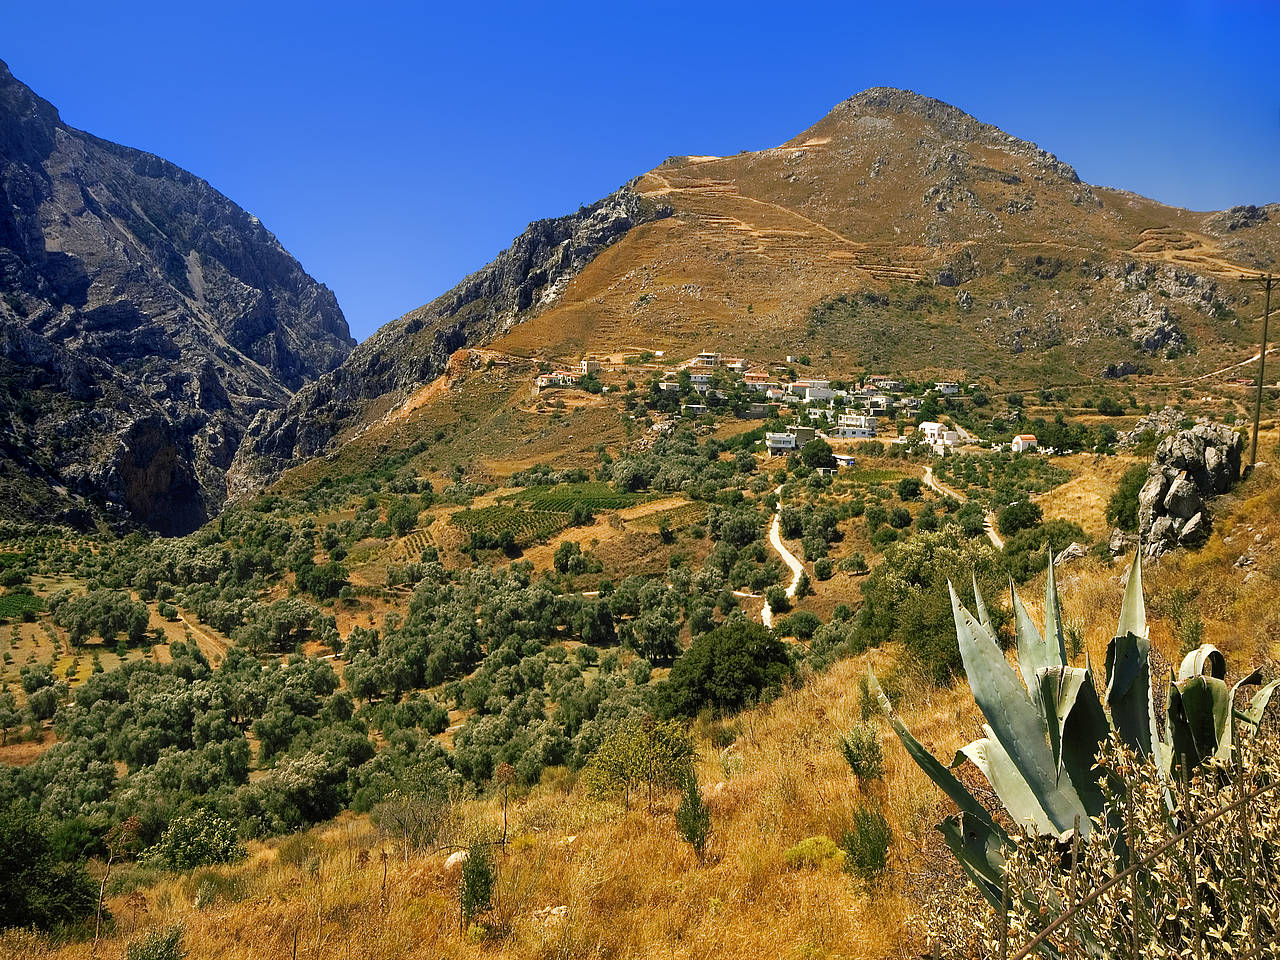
point(629, 887)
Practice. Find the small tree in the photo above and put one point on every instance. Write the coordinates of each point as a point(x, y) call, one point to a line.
point(10, 715)
point(479, 877)
point(693, 818)
point(861, 748)
point(866, 846)
point(640, 753)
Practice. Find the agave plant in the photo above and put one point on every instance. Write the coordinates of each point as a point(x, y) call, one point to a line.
point(1044, 730)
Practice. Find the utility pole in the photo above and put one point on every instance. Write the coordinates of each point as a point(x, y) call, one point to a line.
point(1262, 368)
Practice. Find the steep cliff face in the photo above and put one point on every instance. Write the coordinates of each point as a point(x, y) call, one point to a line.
point(526, 277)
point(144, 320)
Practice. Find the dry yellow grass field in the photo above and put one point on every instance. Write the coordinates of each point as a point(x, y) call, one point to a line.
point(629, 887)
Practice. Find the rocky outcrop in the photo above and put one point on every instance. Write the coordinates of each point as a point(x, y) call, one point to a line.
point(406, 353)
point(1188, 470)
point(145, 319)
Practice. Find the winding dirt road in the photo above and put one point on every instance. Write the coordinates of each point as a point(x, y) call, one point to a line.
point(989, 518)
point(789, 558)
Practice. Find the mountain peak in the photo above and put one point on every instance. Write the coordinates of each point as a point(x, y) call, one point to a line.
point(890, 101)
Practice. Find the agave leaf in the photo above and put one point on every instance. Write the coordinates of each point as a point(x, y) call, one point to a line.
point(1133, 610)
point(1077, 728)
point(1054, 637)
point(927, 762)
point(980, 849)
point(1199, 715)
point(1129, 696)
point(1258, 706)
point(1226, 738)
point(1193, 663)
point(1016, 795)
point(979, 604)
point(1032, 652)
point(1014, 720)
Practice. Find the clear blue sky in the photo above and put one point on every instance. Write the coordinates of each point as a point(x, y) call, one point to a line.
point(394, 147)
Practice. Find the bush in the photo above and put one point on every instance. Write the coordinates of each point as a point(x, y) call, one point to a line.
point(196, 842)
point(861, 748)
point(910, 488)
point(157, 945)
point(731, 667)
point(479, 877)
point(866, 846)
point(822, 569)
point(1122, 508)
point(1024, 552)
point(1021, 515)
point(640, 753)
point(39, 889)
point(693, 819)
point(814, 853)
point(776, 597)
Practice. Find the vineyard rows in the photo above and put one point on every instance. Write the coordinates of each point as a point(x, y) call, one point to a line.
point(526, 526)
point(562, 498)
point(676, 518)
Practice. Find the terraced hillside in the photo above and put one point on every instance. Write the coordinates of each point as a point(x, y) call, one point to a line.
point(897, 234)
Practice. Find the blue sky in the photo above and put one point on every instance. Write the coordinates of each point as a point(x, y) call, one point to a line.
point(394, 147)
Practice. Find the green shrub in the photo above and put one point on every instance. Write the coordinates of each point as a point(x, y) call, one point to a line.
point(728, 668)
point(822, 569)
point(479, 877)
point(1021, 515)
point(38, 888)
point(814, 853)
point(861, 748)
point(196, 842)
point(157, 945)
point(1122, 508)
point(866, 846)
point(693, 819)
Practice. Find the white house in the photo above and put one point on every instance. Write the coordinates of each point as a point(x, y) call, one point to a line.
point(937, 436)
point(694, 409)
point(855, 425)
point(947, 388)
point(589, 365)
point(736, 364)
point(779, 444)
point(558, 378)
point(1023, 441)
point(706, 359)
point(878, 402)
point(801, 387)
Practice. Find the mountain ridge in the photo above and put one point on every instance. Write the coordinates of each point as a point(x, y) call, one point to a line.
point(889, 188)
point(144, 319)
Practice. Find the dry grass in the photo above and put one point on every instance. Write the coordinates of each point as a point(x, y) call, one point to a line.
point(631, 888)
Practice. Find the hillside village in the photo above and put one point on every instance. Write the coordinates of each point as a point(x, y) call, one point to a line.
point(835, 410)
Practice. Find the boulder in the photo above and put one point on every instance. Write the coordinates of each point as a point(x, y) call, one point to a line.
point(1074, 551)
point(1183, 499)
point(1189, 468)
point(1194, 532)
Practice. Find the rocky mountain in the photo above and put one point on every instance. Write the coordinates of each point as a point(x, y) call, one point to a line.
point(898, 234)
point(529, 276)
point(145, 319)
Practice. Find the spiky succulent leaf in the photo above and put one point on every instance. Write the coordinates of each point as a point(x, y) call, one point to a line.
point(1252, 717)
point(1016, 795)
point(978, 604)
point(1077, 729)
point(1199, 721)
point(1206, 654)
point(927, 762)
point(980, 849)
point(1129, 696)
point(1014, 720)
point(1054, 636)
point(1032, 653)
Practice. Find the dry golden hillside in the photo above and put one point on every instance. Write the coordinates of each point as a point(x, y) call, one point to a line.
point(583, 879)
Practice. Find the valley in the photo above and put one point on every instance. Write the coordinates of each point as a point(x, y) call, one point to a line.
point(557, 618)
